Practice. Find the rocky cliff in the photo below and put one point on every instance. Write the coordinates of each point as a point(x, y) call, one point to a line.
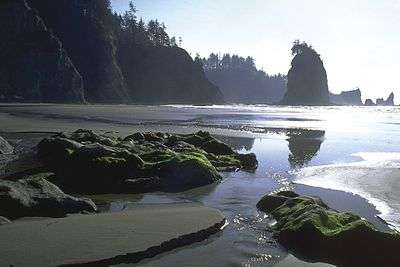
point(82, 57)
point(352, 98)
point(83, 30)
point(307, 80)
point(157, 75)
point(34, 65)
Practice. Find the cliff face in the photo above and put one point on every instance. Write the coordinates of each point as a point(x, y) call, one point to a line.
point(34, 66)
point(157, 75)
point(90, 44)
point(352, 98)
point(307, 79)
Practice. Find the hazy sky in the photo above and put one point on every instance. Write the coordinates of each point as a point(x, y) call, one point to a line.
point(357, 39)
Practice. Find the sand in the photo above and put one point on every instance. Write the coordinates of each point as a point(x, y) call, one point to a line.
point(118, 237)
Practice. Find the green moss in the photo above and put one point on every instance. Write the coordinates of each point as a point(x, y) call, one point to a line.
point(180, 161)
point(311, 230)
point(300, 211)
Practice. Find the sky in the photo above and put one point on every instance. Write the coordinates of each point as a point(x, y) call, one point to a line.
point(357, 39)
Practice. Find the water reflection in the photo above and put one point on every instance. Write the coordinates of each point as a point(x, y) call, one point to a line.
point(304, 144)
point(238, 143)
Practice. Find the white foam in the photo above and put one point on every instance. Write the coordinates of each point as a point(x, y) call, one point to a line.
point(376, 178)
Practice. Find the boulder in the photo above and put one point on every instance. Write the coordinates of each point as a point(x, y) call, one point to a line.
point(88, 162)
point(311, 230)
point(5, 147)
point(4, 220)
point(36, 196)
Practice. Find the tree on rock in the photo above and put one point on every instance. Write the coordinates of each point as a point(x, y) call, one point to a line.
point(307, 79)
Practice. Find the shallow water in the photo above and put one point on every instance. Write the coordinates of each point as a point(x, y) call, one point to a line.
point(350, 149)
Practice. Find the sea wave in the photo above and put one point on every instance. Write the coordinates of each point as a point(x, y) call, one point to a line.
point(376, 178)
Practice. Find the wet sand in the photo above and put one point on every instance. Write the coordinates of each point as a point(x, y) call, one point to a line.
point(107, 238)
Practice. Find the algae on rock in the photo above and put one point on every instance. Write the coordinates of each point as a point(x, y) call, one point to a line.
point(87, 162)
point(313, 231)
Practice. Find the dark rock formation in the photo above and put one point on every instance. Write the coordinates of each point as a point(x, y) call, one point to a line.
point(388, 102)
point(349, 98)
point(307, 79)
point(4, 220)
point(310, 229)
point(89, 41)
point(86, 162)
point(34, 65)
point(35, 196)
point(369, 102)
point(5, 147)
point(157, 75)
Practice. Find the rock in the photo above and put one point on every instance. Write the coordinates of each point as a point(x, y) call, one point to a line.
point(349, 98)
point(217, 148)
point(4, 220)
point(369, 102)
point(178, 78)
point(35, 67)
point(187, 171)
point(35, 196)
point(308, 227)
point(87, 38)
point(248, 161)
point(388, 102)
point(269, 203)
point(5, 147)
point(307, 80)
point(143, 185)
point(87, 162)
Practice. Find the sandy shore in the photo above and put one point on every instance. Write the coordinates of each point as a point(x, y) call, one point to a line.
point(107, 238)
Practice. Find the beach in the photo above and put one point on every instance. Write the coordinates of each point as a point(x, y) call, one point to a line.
point(341, 154)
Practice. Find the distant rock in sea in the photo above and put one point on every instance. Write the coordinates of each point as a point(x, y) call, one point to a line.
point(34, 65)
point(388, 102)
point(351, 98)
point(369, 102)
point(307, 78)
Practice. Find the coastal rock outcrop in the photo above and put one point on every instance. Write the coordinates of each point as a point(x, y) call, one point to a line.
point(388, 102)
point(308, 227)
point(350, 98)
point(34, 65)
point(5, 147)
point(307, 79)
point(369, 102)
point(166, 75)
point(82, 28)
point(36, 196)
point(87, 162)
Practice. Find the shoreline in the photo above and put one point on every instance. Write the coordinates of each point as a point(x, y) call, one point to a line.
point(15, 128)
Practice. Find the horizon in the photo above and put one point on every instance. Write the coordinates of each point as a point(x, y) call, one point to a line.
point(357, 31)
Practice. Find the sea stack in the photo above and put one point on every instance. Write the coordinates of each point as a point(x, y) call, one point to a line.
point(388, 102)
point(307, 79)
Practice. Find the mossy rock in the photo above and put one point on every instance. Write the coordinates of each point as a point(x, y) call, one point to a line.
point(36, 196)
point(314, 232)
point(88, 162)
point(184, 172)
